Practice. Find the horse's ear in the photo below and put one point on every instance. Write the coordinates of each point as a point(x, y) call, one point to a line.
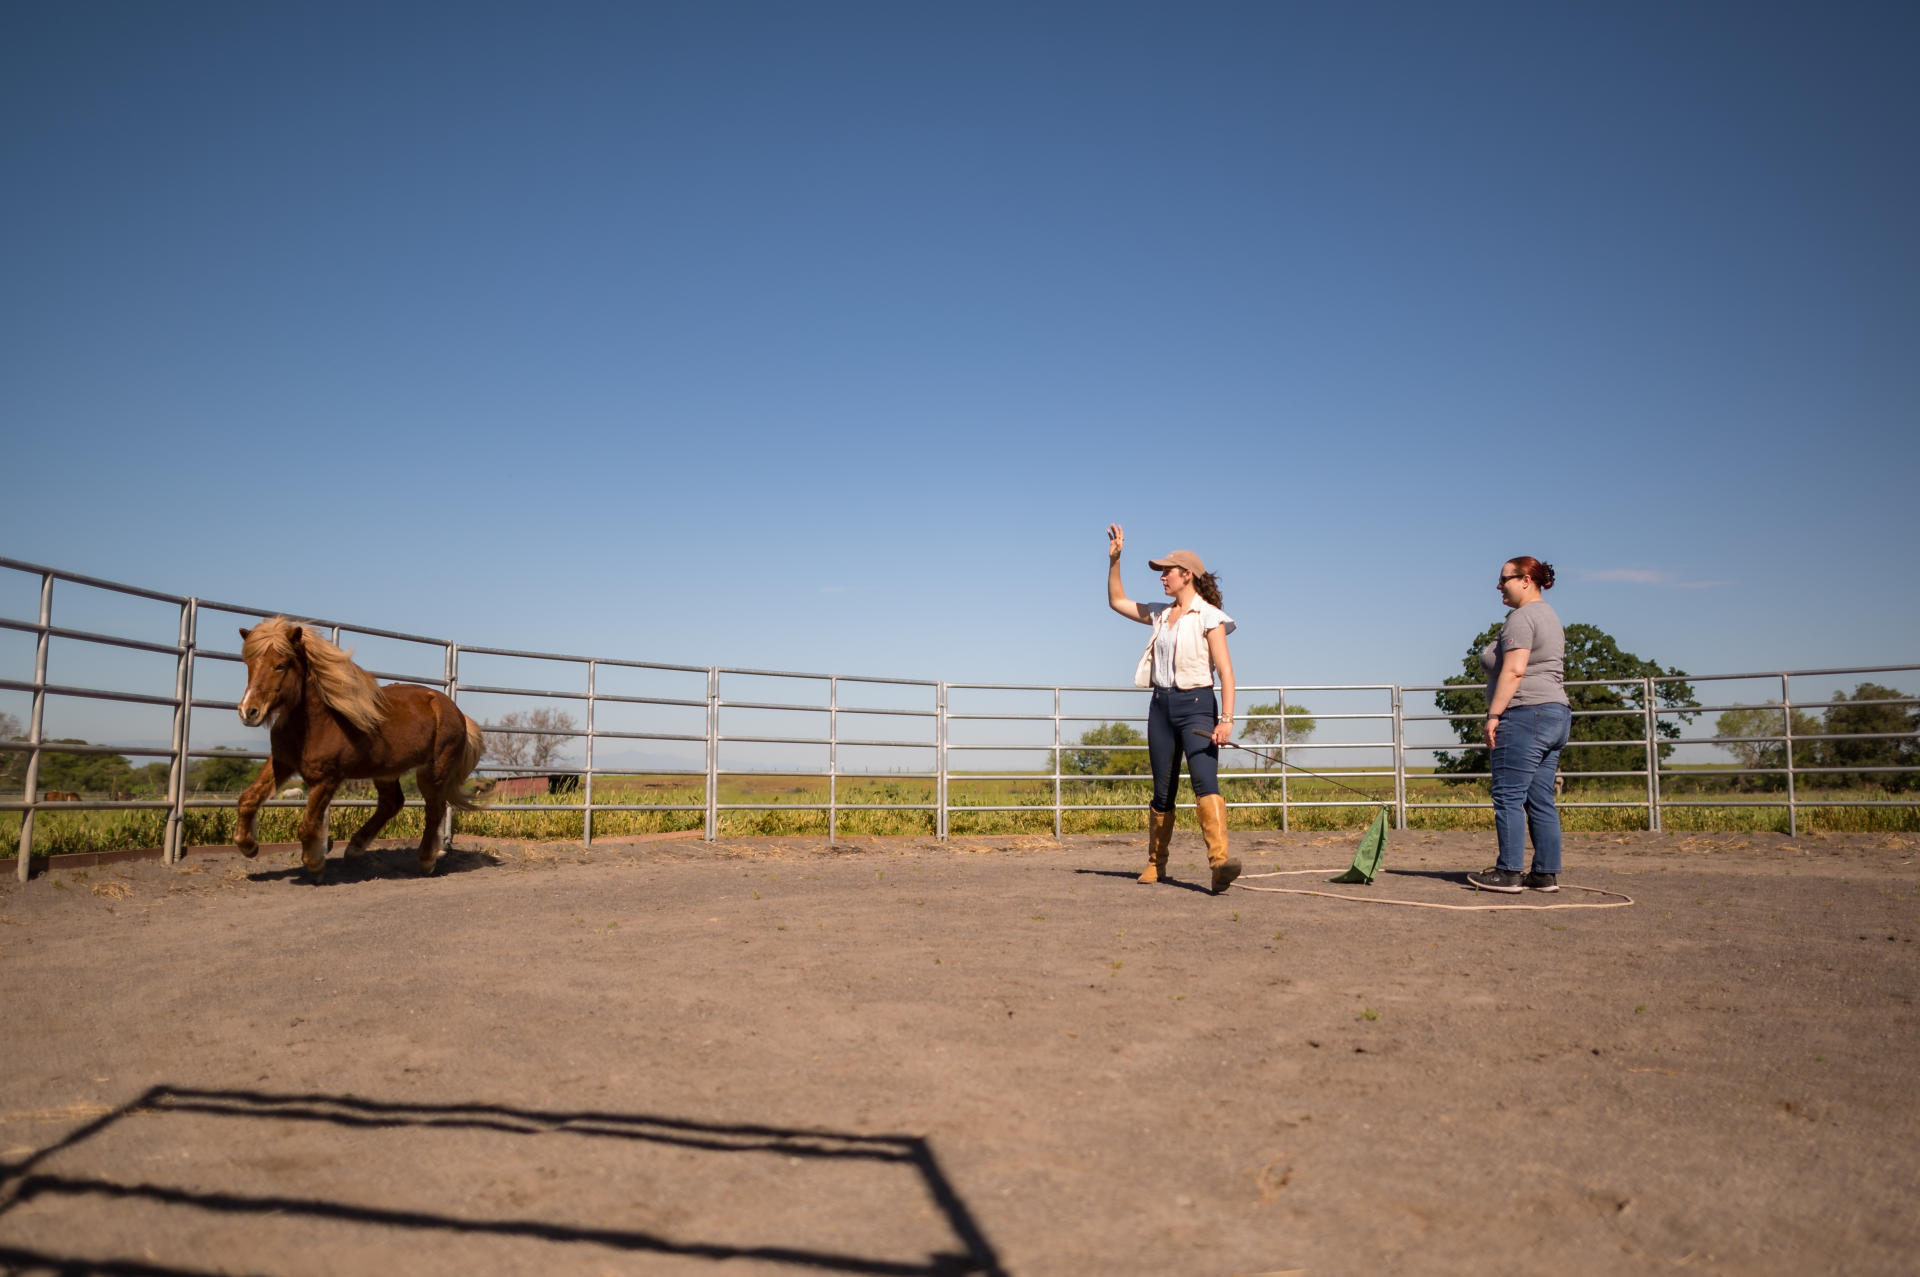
point(293, 636)
point(244, 633)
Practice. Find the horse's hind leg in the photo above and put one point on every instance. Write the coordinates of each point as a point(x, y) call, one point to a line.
point(391, 801)
point(436, 813)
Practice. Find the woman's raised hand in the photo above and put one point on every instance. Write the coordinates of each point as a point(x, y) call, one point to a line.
point(1115, 539)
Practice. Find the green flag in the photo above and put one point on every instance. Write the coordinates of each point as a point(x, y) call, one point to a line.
point(1373, 846)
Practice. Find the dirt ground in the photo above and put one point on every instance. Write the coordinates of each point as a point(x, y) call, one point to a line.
point(992, 1055)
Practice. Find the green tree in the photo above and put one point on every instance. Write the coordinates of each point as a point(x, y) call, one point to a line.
point(13, 763)
point(223, 775)
point(1592, 654)
point(92, 774)
point(1769, 719)
point(1107, 762)
point(1886, 727)
point(1296, 727)
point(85, 773)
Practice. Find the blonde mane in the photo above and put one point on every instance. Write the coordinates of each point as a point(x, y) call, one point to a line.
point(348, 690)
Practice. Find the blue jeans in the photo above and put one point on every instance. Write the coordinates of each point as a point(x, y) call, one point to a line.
point(1526, 756)
point(1182, 723)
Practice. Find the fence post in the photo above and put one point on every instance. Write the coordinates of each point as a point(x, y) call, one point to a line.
point(32, 786)
point(713, 752)
point(1056, 763)
point(586, 816)
point(452, 689)
point(1653, 757)
point(1399, 764)
point(174, 848)
point(1280, 694)
point(940, 760)
point(1786, 710)
point(833, 758)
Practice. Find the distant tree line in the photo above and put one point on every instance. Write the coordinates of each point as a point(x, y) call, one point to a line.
point(1879, 731)
point(523, 740)
point(114, 775)
point(1104, 749)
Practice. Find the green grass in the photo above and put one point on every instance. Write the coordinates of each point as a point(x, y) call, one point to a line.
point(1113, 805)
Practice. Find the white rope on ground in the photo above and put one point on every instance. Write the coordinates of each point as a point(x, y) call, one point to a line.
point(1620, 902)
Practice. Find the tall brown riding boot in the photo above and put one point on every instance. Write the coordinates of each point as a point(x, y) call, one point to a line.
point(1159, 836)
point(1213, 823)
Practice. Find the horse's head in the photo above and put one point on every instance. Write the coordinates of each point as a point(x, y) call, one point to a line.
point(276, 670)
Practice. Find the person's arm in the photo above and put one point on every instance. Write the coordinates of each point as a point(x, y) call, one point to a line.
point(1512, 669)
point(1117, 596)
point(1217, 649)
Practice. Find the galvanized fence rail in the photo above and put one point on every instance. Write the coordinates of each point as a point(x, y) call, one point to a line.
point(926, 730)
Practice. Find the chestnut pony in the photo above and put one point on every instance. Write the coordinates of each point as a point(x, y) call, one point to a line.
point(330, 722)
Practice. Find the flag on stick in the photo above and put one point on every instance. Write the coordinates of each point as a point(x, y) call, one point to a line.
point(1366, 860)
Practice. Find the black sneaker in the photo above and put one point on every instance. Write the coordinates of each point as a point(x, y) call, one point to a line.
point(1538, 881)
point(1506, 881)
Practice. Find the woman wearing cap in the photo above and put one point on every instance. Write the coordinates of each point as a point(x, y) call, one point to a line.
point(1187, 647)
point(1528, 721)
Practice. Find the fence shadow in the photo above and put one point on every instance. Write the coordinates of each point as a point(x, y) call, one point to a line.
point(27, 1179)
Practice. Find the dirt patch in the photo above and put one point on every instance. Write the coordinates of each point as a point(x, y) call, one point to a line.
point(994, 1054)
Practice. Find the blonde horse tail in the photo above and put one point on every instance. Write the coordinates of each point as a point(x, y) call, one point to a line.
point(466, 799)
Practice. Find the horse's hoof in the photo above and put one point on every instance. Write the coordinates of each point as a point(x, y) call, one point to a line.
point(426, 865)
point(248, 849)
point(355, 851)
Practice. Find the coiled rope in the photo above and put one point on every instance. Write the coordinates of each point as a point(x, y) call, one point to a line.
point(1620, 900)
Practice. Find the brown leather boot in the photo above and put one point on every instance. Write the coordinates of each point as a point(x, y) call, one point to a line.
point(1159, 836)
point(1213, 823)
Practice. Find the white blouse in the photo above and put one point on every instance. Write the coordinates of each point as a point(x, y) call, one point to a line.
point(1177, 654)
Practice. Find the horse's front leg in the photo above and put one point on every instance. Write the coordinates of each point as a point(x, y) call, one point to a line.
point(313, 826)
point(250, 799)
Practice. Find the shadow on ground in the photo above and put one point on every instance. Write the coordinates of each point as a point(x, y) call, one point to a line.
point(31, 1180)
point(1133, 876)
point(379, 864)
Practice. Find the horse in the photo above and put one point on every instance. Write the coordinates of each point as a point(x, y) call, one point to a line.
point(329, 722)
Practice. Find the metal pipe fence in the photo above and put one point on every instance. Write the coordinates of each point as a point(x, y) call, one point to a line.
point(851, 716)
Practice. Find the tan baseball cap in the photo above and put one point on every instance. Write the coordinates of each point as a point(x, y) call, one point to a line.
point(1180, 559)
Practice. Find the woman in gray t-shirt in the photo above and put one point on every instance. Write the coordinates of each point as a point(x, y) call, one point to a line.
point(1528, 722)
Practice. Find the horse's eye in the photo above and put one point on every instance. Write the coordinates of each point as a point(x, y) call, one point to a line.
point(284, 665)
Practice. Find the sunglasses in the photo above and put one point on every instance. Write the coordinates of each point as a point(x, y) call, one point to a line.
point(1516, 576)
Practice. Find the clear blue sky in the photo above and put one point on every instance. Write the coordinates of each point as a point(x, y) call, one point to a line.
point(831, 336)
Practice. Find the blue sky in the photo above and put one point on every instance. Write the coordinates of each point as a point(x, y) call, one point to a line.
point(831, 336)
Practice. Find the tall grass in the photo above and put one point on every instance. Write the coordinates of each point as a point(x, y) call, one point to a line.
point(1109, 806)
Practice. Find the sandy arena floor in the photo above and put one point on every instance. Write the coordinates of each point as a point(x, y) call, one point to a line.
point(994, 1055)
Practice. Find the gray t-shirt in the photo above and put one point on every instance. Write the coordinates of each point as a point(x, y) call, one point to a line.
point(1535, 627)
